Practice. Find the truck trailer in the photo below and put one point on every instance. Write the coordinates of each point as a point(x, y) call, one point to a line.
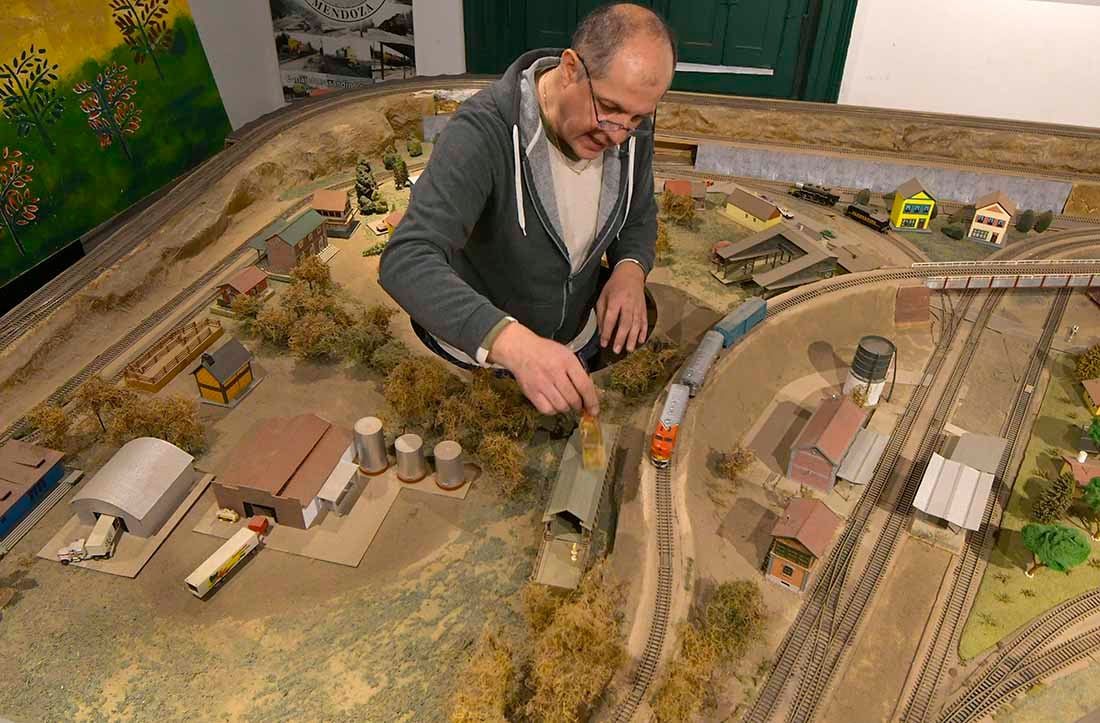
point(206, 577)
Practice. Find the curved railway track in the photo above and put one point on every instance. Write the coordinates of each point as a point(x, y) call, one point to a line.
point(919, 703)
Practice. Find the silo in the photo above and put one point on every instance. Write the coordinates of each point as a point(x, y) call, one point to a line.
point(869, 367)
point(370, 446)
point(450, 472)
point(411, 466)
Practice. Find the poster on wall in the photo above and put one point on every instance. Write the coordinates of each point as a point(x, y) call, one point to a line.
point(102, 102)
point(326, 45)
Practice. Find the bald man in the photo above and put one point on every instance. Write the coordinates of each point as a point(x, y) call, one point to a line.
point(531, 184)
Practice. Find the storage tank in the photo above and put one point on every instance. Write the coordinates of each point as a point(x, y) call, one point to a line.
point(370, 446)
point(411, 466)
point(869, 367)
point(450, 472)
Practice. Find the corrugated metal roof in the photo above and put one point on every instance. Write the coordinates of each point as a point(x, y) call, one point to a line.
point(133, 480)
point(577, 490)
point(246, 279)
point(774, 278)
point(832, 428)
point(810, 522)
point(303, 226)
point(954, 492)
point(983, 452)
point(859, 463)
point(799, 239)
point(224, 361)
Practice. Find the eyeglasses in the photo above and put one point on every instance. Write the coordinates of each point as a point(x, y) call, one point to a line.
point(610, 126)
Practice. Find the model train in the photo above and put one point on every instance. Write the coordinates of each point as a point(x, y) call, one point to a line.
point(722, 335)
point(877, 220)
point(814, 193)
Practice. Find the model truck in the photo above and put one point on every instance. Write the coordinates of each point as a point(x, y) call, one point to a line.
point(211, 572)
point(100, 543)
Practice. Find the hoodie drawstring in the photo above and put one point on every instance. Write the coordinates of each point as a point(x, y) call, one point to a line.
point(520, 216)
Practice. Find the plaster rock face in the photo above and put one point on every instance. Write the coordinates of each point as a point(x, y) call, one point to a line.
point(404, 112)
point(1084, 200)
point(337, 144)
point(1032, 150)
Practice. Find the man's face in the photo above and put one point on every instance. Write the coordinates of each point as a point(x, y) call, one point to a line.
point(637, 77)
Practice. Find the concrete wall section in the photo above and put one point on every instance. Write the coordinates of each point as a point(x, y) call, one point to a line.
point(947, 184)
point(240, 47)
point(440, 37)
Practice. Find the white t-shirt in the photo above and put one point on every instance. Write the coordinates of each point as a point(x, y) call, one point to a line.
point(577, 186)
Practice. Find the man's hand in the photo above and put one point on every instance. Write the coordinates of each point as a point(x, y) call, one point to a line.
point(548, 373)
point(620, 310)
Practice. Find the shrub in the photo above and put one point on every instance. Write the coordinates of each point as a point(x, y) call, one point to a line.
point(386, 357)
point(315, 336)
point(1043, 221)
point(682, 693)
point(97, 396)
point(173, 418)
point(415, 387)
point(734, 618)
point(637, 374)
point(1087, 364)
point(1025, 221)
point(954, 231)
point(680, 210)
point(540, 603)
point(864, 196)
point(488, 685)
point(52, 423)
point(414, 147)
point(664, 245)
point(367, 335)
point(313, 272)
point(273, 325)
point(389, 158)
point(246, 307)
point(731, 464)
point(1054, 500)
point(504, 460)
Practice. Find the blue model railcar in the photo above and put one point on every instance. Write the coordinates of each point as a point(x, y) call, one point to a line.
point(738, 322)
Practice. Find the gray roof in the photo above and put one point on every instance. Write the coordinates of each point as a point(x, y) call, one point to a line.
point(911, 188)
point(753, 205)
point(954, 492)
point(859, 463)
point(224, 361)
point(577, 490)
point(137, 476)
point(983, 452)
point(290, 231)
point(780, 276)
point(997, 197)
point(258, 240)
point(799, 239)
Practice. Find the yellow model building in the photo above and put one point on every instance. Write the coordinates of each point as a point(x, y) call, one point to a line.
point(224, 374)
point(751, 211)
point(912, 209)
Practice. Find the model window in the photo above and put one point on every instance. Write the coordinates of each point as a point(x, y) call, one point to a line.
point(908, 222)
point(788, 570)
point(917, 208)
point(1000, 223)
point(980, 234)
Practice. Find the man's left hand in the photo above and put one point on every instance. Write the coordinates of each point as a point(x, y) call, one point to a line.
point(620, 310)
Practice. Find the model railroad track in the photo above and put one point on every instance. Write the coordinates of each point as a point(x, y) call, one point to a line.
point(112, 241)
point(662, 603)
point(1021, 661)
point(945, 635)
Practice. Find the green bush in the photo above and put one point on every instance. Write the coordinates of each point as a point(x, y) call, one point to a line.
point(1043, 221)
point(1026, 221)
point(864, 196)
point(954, 231)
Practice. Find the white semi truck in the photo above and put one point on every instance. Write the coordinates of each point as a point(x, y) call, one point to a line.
point(100, 543)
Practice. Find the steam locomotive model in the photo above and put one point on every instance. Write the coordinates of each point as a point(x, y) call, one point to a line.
point(814, 193)
point(722, 335)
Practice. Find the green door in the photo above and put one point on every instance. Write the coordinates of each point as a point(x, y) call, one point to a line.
point(701, 30)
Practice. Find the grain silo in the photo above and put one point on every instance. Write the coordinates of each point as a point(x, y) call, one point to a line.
point(370, 446)
point(450, 472)
point(870, 367)
point(411, 466)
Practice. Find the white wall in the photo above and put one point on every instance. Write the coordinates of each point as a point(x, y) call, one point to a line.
point(440, 38)
point(240, 46)
point(1022, 59)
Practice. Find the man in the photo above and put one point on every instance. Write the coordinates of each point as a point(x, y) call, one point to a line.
point(498, 258)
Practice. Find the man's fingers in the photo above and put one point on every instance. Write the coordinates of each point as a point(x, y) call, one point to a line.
point(583, 384)
point(601, 309)
point(567, 389)
point(557, 401)
point(542, 404)
point(634, 338)
point(611, 317)
point(625, 323)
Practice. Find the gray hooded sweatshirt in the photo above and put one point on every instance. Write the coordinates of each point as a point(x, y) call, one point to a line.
point(481, 239)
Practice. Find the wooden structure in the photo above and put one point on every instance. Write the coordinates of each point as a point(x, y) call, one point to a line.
point(167, 357)
point(912, 208)
point(821, 446)
point(799, 539)
point(224, 374)
point(1092, 395)
point(992, 216)
point(250, 280)
point(777, 258)
point(335, 208)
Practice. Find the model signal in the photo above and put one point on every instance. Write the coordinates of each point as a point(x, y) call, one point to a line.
point(814, 193)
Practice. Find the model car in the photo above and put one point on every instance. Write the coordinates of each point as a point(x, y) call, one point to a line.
point(227, 515)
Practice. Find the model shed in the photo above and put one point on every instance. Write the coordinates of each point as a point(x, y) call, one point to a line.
point(799, 539)
point(27, 473)
point(751, 211)
point(250, 281)
point(142, 484)
point(954, 492)
point(820, 449)
point(225, 373)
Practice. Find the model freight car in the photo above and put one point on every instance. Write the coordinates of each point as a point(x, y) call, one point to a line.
point(814, 193)
point(877, 220)
point(664, 437)
point(738, 322)
point(702, 360)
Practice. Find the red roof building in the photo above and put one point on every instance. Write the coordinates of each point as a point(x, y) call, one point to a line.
point(1083, 472)
point(250, 280)
point(817, 453)
point(799, 539)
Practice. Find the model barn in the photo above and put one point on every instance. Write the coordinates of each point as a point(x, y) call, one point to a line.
point(335, 207)
point(992, 216)
point(799, 539)
point(225, 373)
point(695, 190)
point(27, 474)
point(285, 243)
point(912, 208)
point(820, 449)
point(751, 211)
point(280, 467)
point(250, 281)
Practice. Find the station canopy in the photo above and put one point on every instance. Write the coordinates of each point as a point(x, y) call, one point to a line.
point(954, 491)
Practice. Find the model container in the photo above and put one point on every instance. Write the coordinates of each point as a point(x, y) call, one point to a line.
point(222, 562)
point(702, 360)
point(869, 367)
point(867, 216)
point(738, 322)
point(664, 437)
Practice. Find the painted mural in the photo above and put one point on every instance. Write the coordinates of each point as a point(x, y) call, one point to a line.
point(102, 103)
point(326, 45)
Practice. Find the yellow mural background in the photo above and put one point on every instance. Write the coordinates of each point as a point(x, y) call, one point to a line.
point(71, 30)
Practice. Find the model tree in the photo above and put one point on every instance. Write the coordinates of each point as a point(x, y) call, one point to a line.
point(734, 618)
point(489, 684)
point(637, 374)
point(414, 148)
point(1025, 221)
point(315, 335)
point(52, 422)
point(415, 387)
point(1094, 431)
point(954, 231)
point(1055, 499)
point(173, 418)
point(1090, 495)
point(111, 113)
point(663, 243)
point(27, 95)
point(144, 28)
point(97, 396)
point(1058, 547)
point(864, 196)
point(1043, 221)
point(678, 209)
point(368, 334)
point(389, 157)
point(17, 206)
point(504, 460)
point(731, 464)
point(313, 272)
point(365, 186)
point(400, 173)
point(1087, 364)
point(247, 307)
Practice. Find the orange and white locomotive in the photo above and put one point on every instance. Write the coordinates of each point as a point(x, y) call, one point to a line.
point(664, 438)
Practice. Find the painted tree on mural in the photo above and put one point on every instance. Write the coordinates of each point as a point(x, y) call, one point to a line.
point(27, 96)
point(17, 206)
point(111, 113)
point(143, 27)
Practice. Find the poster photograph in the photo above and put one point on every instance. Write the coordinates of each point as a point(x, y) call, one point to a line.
point(326, 45)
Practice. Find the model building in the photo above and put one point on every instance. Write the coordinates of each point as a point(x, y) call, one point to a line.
point(225, 373)
point(250, 281)
point(912, 207)
point(28, 472)
point(281, 245)
point(993, 214)
point(751, 211)
point(335, 207)
point(800, 538)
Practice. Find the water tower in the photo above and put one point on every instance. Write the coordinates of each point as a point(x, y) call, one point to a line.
point(870, 366)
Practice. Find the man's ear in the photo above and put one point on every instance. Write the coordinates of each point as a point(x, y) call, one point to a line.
point(570, 67)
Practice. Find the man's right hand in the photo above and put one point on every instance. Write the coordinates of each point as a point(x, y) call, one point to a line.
point(549, 374)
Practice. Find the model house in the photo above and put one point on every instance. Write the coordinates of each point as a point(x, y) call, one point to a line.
point(142, 484)
point(250, 281)
point(820, 448)
point(799, 539)
point(1092, 395)
point(992, 216)
point(282, 244)
point(912, 209)
point(751, 211)
point(695, 190)
point(225, 373)
point(280, 467)
point(28, 473)
point(335, 208)
point(392, 220)
point(1083, 468)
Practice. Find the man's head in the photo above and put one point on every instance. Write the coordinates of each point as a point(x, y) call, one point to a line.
point(619, 66)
